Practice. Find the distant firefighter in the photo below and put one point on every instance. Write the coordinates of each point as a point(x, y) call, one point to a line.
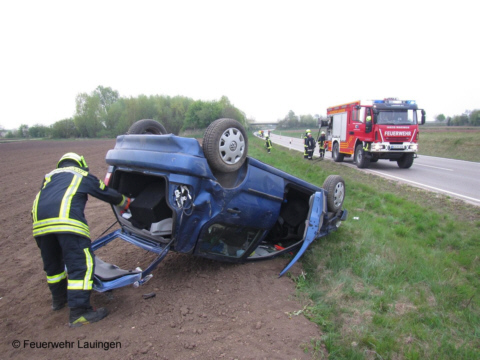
point(268, 144)
point(321, 144)
point(310, 146)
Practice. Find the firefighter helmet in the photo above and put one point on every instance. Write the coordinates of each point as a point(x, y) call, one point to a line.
point(80, 160)
point(308, 131)
point(323, 132)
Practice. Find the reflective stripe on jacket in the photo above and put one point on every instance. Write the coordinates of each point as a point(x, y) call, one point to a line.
point(59, 206)
point(321, 142)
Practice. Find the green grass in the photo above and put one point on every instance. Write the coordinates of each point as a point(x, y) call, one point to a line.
point(451, 144)
point(402, 281)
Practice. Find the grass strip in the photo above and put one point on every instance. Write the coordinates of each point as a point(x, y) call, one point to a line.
point(400, 278)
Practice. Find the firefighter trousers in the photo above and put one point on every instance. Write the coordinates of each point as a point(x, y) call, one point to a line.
point(310, 153)
point(69, 264)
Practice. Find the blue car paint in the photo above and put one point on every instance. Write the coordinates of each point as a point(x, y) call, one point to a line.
point(262, 188)
point(179, 155)
point(256, 199)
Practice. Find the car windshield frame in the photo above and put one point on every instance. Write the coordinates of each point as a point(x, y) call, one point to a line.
point(397, 117)
point(221, 239)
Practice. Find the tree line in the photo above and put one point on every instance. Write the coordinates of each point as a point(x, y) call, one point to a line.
point(469, 118)
point(292, 121)
point(104, 113)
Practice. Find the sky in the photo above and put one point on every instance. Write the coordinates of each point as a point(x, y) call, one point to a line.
point(267, 57)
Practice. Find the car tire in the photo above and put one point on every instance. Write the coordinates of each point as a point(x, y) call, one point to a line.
point(146, 126)
point(406, 161)
point(337, 157)
point(360, 158)
point(335, 187)
point(225, 145)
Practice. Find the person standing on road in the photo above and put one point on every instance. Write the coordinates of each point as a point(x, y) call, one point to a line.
point(321, 144)
point(310, 146)
point(63, 236)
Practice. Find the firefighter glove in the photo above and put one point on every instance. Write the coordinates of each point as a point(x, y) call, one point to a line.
point(125, 204)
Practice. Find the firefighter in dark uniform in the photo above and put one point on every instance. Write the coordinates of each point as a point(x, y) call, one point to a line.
point(62, 234)
point(321, 144)
point(305, 138)
point(310, 146)
point(268, 144)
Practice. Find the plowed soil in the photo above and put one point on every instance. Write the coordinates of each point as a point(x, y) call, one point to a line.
point(202, 309)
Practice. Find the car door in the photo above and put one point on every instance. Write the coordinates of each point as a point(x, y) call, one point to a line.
point(314, 222)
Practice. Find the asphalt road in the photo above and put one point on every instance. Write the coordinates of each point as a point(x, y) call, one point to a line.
point(456, 178)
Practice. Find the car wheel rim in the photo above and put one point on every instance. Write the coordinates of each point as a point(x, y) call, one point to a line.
point(339, 194)
point(231, 146)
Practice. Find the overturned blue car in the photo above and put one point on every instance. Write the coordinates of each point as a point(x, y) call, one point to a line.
point(212, 201)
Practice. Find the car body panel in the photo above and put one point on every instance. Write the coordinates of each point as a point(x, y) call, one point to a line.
point(237, 217)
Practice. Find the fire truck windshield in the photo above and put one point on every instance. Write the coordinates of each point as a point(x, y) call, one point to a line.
point(397, 117)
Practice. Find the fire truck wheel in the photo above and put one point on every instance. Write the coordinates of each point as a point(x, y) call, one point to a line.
point(225, 145)
point(147, 126)
point(360, 158)
point(335, 187)
point(406, 161)
point(337, 157)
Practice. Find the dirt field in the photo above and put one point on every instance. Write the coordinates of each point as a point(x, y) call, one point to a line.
point(202, 309)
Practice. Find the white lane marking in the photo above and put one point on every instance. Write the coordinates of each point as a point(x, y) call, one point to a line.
point(427, 186)
point(435, 167)
point(447, 159)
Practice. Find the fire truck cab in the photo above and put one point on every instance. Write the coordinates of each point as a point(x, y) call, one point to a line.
point(373, 130)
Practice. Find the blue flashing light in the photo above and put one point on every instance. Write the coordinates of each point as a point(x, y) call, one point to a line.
point(394, 101)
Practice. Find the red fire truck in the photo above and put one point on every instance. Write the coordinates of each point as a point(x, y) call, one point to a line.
point(373, 130)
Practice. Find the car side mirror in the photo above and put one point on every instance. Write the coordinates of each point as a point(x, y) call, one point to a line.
point(423, 117)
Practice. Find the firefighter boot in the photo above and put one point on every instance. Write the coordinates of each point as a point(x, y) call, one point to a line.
point(82, 316)
point(59, 294)
point(59, 302)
